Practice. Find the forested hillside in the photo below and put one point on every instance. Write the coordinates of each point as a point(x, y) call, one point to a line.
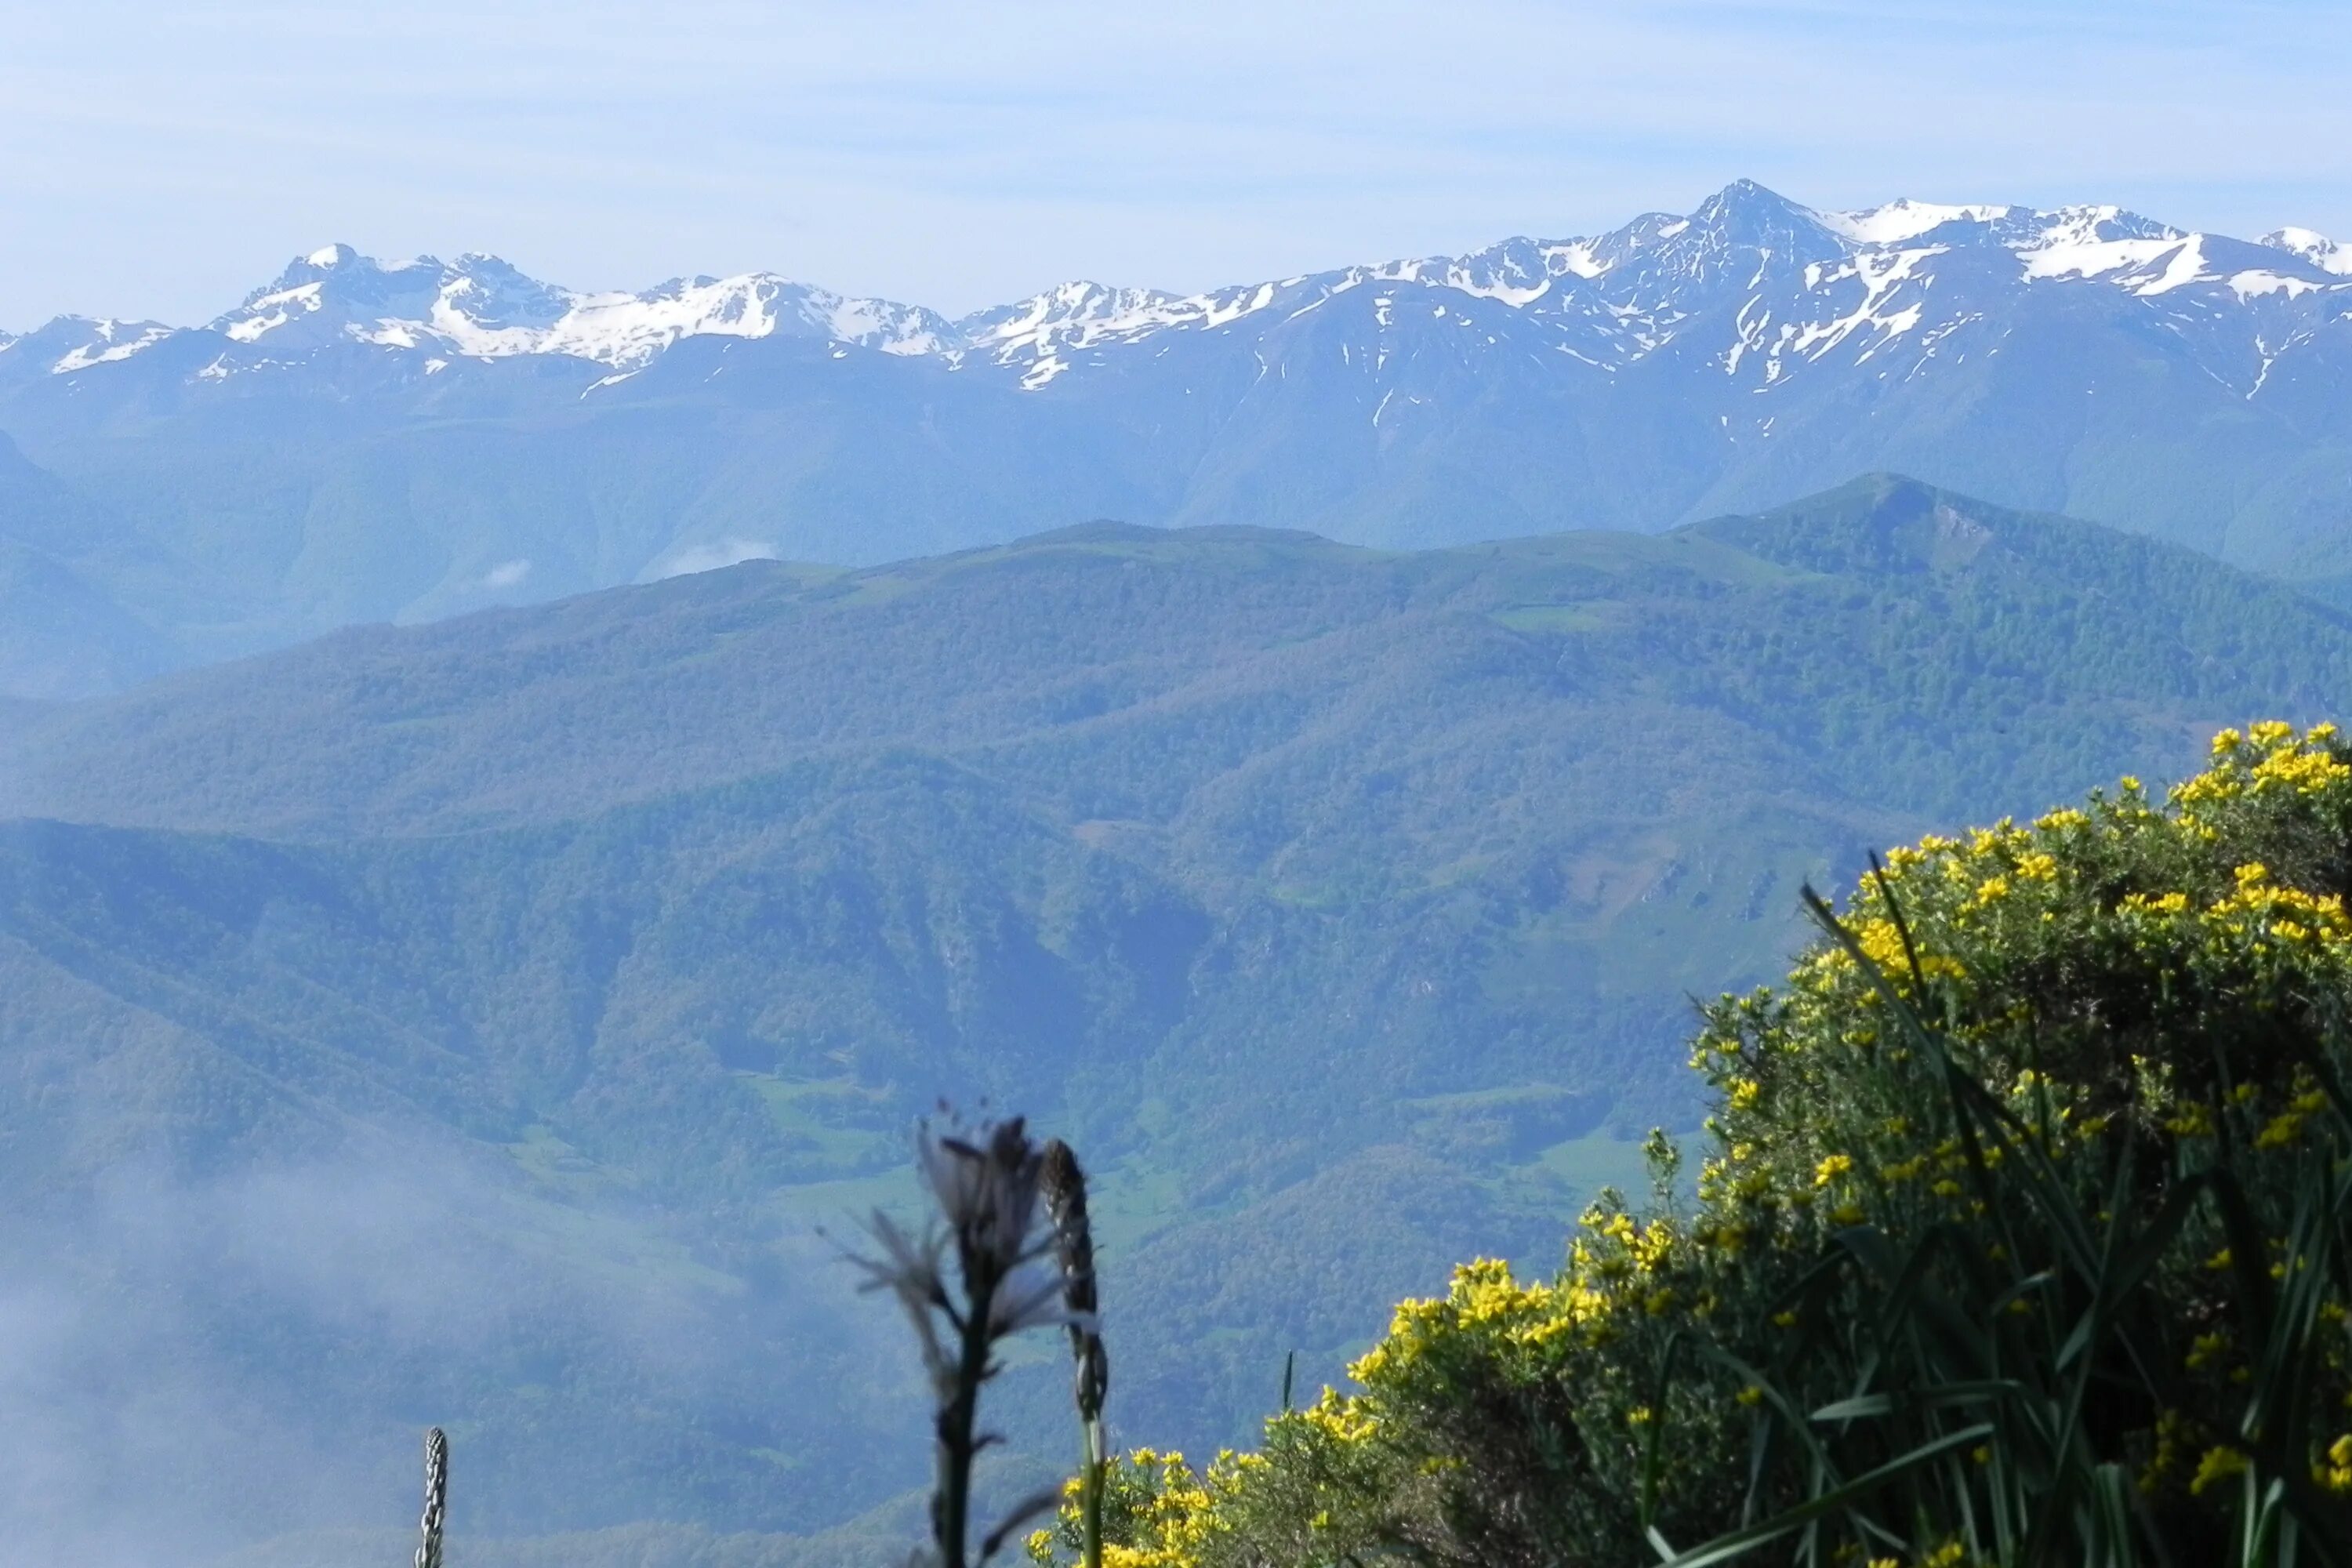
point(1343, 905)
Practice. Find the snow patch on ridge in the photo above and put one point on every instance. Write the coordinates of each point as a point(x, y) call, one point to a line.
point(2186, 265)
point(481, 307)
point(2247, 284)
point(2084, 242)
point(110, 346)
point(1081, 315)
point(1576, 258)
point(1882, 273)
point(1904, 219)
point(627, 331)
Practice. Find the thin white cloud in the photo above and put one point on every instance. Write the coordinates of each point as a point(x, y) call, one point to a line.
point(711, 557)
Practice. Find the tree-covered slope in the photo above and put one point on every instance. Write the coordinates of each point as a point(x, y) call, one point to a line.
point(1339, 904)
point(1164, 660)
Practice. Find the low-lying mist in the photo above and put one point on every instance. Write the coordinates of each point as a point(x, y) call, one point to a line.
point(194, 1365)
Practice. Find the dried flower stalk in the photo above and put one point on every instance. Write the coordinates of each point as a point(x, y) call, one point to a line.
point(983, 1182)
point(1064, 1182)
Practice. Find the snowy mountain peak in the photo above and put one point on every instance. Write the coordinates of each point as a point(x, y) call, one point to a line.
point(1746, 218)
point(630, 329)
point(1904, 218)
point(1734, 240)
point(69, 343)
point(1744, 204)
point(2316, 248)
point(481, 295)
point(485, 306)
point(1037, 332)
point(2083, 224)
point(1517, 271)
point(1080, 307)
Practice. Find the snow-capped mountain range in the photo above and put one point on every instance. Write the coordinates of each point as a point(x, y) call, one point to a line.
point(1864, 280)
point(362, 439)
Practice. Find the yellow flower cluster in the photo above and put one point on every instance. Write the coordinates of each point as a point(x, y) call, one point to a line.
point(2170, 1433)
point(2268, 758)
point(1340, 1419)
point(1881, 942)
point(2260, 912)
point(1167, 1510)
point(2217, 1466)
point(2091, 971)
point(2335, 1474)
point(1618, 1267)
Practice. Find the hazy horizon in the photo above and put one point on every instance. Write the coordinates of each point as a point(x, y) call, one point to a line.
point(915, 152)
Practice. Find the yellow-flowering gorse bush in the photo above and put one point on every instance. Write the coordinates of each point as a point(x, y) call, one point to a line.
point(2032, 1177)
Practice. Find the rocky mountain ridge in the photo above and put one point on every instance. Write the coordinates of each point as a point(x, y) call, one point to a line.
point(1879, 282)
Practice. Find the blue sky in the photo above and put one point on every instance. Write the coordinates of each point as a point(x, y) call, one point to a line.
point(160, 157)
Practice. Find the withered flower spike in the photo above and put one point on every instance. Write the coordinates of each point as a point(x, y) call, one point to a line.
point(984, 1181)
point(1065, 1185)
